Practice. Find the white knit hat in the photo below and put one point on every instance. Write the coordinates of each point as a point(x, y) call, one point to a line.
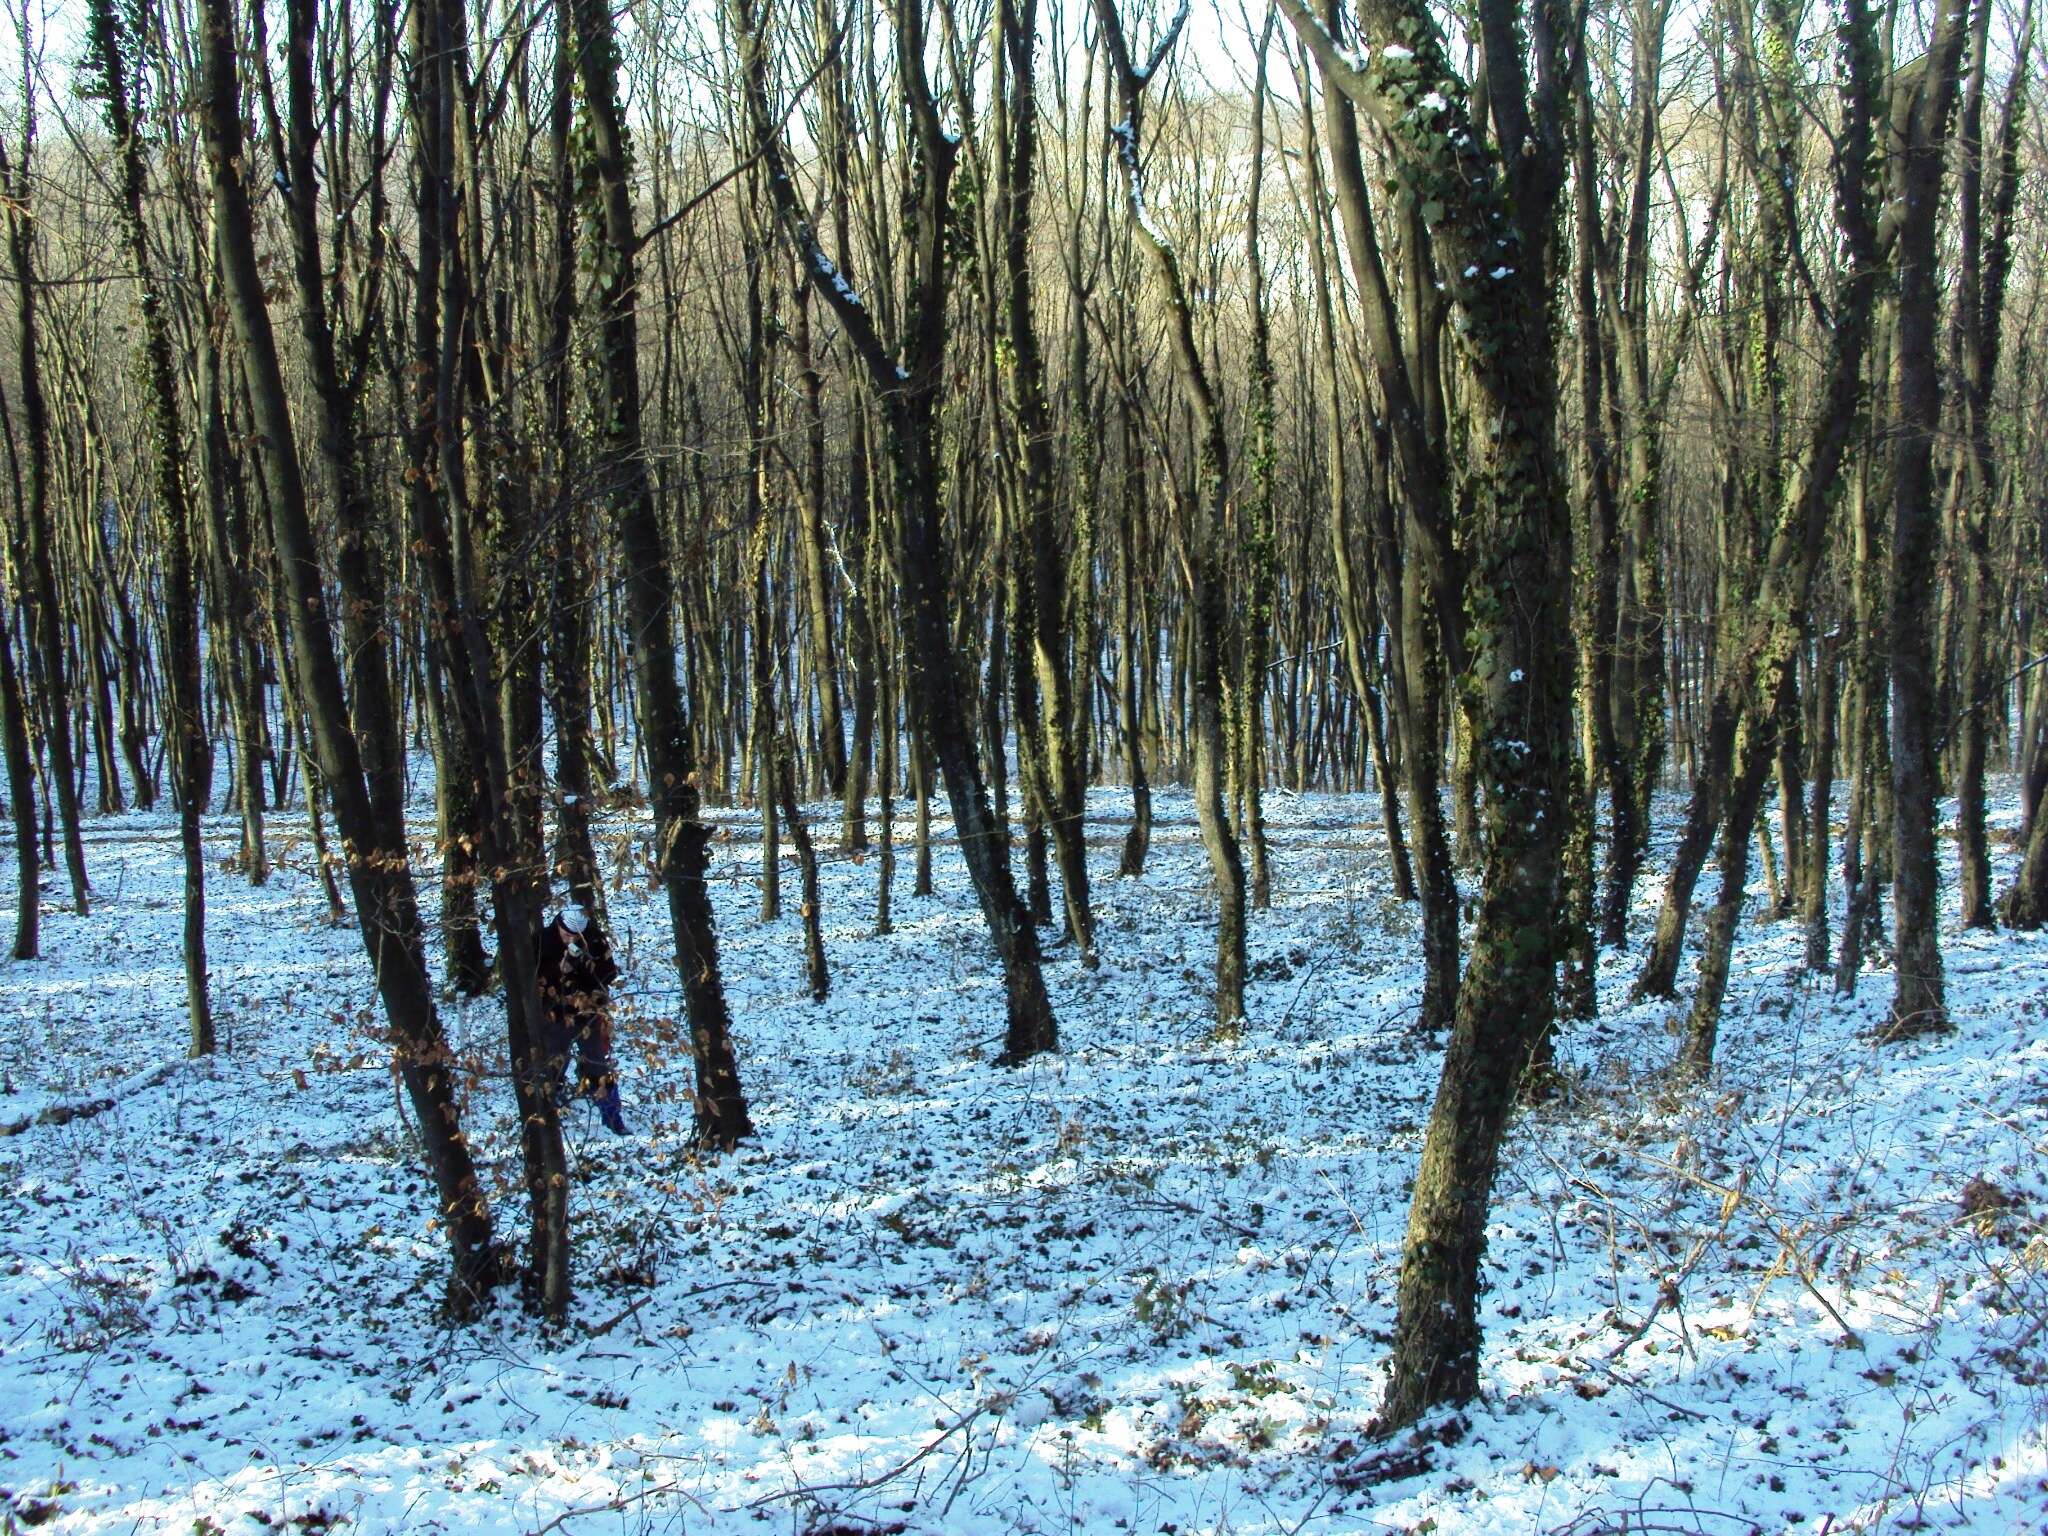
point(574, 918)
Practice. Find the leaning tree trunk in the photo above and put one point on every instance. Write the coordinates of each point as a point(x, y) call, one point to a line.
point(1204, 554)
point(379, 874)
point(907, 393)
point(1638, 697)
point(2025, 903)
point(1419, 580)
point(1761, 677)
point(783, 756)
point(681, 838)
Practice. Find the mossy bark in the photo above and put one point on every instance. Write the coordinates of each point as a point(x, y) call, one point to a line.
point(191, 752)
point(1922, 108)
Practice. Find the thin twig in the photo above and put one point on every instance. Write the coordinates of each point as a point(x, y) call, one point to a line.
point(867, 1484)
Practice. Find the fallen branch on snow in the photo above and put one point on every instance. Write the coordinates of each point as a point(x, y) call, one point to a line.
point(66, 1111)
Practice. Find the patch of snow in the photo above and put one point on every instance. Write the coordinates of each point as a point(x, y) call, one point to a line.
point(1144, 1281)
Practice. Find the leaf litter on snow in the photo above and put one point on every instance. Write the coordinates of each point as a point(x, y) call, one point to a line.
point(1145, 1285)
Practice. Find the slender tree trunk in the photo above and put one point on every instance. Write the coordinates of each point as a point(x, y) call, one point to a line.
point(1745, 796)
point(1136, 630)
point(186, 725)
point(469, 485)
point(681, 838)
point(235, 588)
point(21, 797)
point(1044, 641)
point(767, 775)
point(572, 572)
point(784, 757)
point(812, 541)
point(864, 619)
point(907, 393)
point(1207, 599)
point(1984, 263)
point(754, 515)
point(1814, 886)
point(886, 735)
point(378, 871)
point(458, 833)
point(43, 632)
point(1255, 618)
point(1754, 693)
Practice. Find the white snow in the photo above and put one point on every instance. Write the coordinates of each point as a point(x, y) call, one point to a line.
point(1141, 1286)
point(829, 270)
point(1126, 135)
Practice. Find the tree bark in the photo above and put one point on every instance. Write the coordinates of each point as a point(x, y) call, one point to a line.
point(21, 799)
point(43, 631)
point(681, 838)
point(1044, 641)
point(374, 848)
point(193, 759)
point(1493, 217)
point(907, 393)
point(1922, 108)
point(1207, 598)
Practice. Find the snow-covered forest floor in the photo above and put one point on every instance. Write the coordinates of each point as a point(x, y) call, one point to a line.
point(1144, 1286)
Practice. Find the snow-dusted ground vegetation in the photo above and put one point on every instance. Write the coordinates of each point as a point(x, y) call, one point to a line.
point(1143, 1286)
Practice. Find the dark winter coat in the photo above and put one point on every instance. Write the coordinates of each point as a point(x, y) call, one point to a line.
point(576, 972)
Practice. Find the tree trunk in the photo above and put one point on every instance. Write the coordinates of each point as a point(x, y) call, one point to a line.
point(1814, 885)
point(1207, 599)
point(907, 393)
point(1921, 112)
point(469, 485)
point(1043, 642)
point(784, 757)
point(572, 571)
point(374, 846)
point(43, 629)
point(1984, 262)
point(1496, 217)
point(186, 725)
point(681, 838)
point(234, 591)
point(21, 798)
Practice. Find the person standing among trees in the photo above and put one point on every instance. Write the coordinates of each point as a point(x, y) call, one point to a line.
point(576, 971)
